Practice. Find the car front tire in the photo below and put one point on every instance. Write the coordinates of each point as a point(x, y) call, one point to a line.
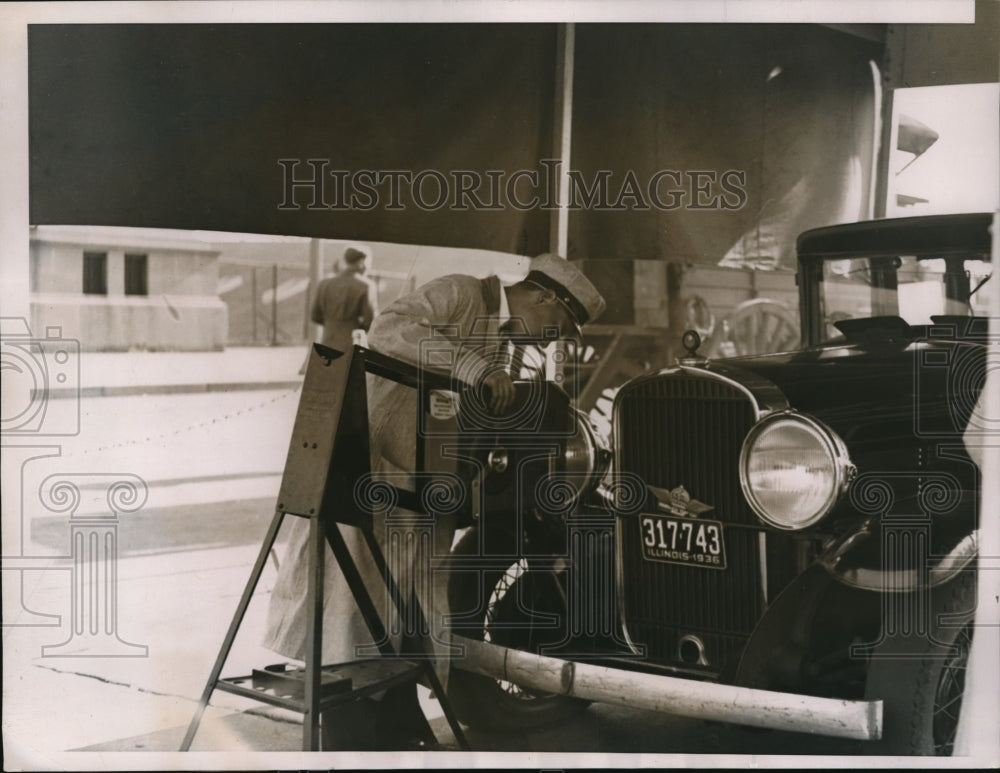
point(921, 679)
point(512, 596)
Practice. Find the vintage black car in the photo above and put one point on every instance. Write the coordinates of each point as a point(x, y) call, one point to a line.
point(784, 540)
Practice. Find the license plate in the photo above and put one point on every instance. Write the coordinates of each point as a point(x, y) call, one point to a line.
point(682, 541)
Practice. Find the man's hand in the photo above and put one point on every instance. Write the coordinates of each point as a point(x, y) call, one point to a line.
point(501, 391)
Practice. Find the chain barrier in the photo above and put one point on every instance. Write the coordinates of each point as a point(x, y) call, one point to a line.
point(189, 428)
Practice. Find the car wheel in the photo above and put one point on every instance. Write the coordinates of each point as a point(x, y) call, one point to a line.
point(921, 679)
point(757, 326)
point(514, 597)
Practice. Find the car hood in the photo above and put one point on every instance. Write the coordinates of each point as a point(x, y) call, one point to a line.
point(880, 392)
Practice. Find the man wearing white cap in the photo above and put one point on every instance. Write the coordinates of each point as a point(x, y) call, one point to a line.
point(459, 312)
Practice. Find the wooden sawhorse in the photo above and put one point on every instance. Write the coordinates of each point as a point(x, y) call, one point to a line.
point(328, 452)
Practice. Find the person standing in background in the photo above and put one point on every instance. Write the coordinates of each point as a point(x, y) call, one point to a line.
point(345, 302)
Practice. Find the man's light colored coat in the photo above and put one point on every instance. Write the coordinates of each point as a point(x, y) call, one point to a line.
point(456, 316)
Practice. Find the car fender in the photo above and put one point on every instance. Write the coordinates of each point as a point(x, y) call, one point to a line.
point(892, 554)
point(783, 639)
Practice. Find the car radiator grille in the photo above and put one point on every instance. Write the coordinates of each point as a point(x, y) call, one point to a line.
point(683, 430)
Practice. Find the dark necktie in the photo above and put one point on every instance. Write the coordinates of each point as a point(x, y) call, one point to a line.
point(510, 353)
point(517, 361)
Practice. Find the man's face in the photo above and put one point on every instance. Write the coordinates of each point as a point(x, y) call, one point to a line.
point(546, 319)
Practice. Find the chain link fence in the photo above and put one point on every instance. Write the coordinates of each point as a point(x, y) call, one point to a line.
point(269, 304)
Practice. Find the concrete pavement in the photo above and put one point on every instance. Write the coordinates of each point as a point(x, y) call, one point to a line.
point(104, 374)
point(195, 426)
point(107, 654)
point(110, 650)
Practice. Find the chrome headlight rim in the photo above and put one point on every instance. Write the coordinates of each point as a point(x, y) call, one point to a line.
point(597, 456)
point(840, 462)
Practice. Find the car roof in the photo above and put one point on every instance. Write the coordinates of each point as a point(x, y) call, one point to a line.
point(967, 232)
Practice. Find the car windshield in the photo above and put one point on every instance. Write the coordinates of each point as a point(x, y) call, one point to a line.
point(914, 287)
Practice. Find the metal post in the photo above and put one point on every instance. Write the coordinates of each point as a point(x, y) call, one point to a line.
point(309, 330)
point(892, 72)
point(274, 305)
point(306, 298)
point(253, 304)
point(314, 636)
point(562, 136)
point(562, 133)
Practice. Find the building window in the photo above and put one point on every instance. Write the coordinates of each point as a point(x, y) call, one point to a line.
point(95, 273)
point(136, 275)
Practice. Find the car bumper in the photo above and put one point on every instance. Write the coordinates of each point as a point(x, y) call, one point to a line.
point(860, 720)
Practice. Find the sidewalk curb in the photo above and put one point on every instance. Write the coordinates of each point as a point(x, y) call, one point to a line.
point(165, 389)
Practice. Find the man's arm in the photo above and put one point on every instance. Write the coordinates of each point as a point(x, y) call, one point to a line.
point(404, 328)
point(367, 307)
point(429, 328)
point(317, 309)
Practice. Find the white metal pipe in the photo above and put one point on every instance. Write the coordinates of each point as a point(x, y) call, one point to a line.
point(685, 697)
point(562, 136)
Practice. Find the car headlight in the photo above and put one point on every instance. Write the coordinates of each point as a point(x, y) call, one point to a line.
point(793, 470)
point(586, 456)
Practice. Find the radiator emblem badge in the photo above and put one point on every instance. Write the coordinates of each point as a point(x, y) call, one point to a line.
point(679, 502)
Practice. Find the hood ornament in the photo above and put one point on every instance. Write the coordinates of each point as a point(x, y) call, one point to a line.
point(679, 502)
point(691, 340)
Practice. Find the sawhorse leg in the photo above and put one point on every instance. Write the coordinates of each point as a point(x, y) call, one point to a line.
point(427, 665)
point(314, 638)
point(314, 603)
point(234, 627)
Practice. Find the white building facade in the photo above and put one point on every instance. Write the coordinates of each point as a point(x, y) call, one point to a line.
point(121, 289)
